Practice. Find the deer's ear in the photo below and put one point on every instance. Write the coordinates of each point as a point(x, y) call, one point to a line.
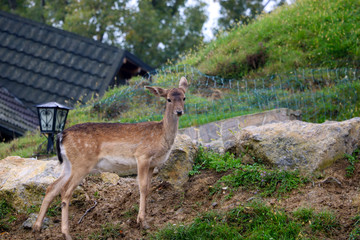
point(183, 84)
point(157, 91)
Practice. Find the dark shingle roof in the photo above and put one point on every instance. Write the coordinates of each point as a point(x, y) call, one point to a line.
point(14, 116)
point(39, 63)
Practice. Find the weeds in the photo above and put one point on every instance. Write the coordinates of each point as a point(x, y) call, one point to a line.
point(355, 233)
point(324, 221)
point(108, 231)
point(5, 215)
point(352, 159)
point(261, 179)
point(257, 176)
point(207, 159)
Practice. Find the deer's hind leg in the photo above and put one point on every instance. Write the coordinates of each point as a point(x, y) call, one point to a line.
point(51, 192)
point(66, 194)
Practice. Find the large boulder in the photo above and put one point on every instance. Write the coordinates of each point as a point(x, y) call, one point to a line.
point(180, 162)
point(23, 182)
point(220, 135)
point(300, 145)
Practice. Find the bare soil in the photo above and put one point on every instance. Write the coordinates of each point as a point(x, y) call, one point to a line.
point(166, 205)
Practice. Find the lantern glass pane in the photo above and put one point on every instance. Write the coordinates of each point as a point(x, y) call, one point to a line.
point(60, 120)
point(46, 118)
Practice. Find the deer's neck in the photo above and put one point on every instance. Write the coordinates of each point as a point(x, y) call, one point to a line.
point(170, 126)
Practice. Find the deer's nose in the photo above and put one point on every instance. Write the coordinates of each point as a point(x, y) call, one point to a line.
point(179, 113)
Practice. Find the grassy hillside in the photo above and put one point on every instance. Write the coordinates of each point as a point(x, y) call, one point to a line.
point(305, 34)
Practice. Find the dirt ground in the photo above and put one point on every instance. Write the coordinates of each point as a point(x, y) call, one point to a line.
point(119, 204)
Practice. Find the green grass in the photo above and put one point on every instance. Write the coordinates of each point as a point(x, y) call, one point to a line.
point(207, 159)
point(23, 146)
point(264, 180)
point(304, 34)
point(255, 220)
point(258, 177)
point(323, 221)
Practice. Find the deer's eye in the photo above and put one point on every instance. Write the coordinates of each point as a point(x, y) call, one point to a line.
point(169, 100)
point(184, 99)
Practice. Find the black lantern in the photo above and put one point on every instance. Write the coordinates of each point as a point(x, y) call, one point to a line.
point(52, 119)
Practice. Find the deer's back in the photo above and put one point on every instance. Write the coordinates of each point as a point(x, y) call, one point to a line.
point(114, 147)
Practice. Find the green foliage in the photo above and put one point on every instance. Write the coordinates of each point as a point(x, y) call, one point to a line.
point(108, 231)
point(240, 12)
point(5, 215)
point(352, 159)
point(206, 159)
point(168, 33)
point(95, 18)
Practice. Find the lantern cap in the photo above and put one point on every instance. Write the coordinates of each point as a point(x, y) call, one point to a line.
point(53, 105)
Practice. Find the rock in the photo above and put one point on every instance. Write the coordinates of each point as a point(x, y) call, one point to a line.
point(32, 219)
point(220, 135)
point(24, 181)
point(180, 162)
point(300, 145)
point(111, 178)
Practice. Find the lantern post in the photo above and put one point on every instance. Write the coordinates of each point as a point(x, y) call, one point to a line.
point(52, 119)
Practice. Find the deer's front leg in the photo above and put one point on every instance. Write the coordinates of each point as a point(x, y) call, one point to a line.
point(143, 177)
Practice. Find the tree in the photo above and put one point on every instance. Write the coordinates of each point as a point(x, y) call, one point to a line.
point(241, 11)
point(154, 30)
point(96, 18)
point(161, 30)
point(26, 8)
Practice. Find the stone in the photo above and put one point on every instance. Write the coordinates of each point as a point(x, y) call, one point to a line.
point(111, 178)
point(220, 135)
point(176, 169)
point(24, 181)
point(32, 219)
point(300, 145)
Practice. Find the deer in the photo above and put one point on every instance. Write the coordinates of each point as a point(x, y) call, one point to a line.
point(114, 147)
